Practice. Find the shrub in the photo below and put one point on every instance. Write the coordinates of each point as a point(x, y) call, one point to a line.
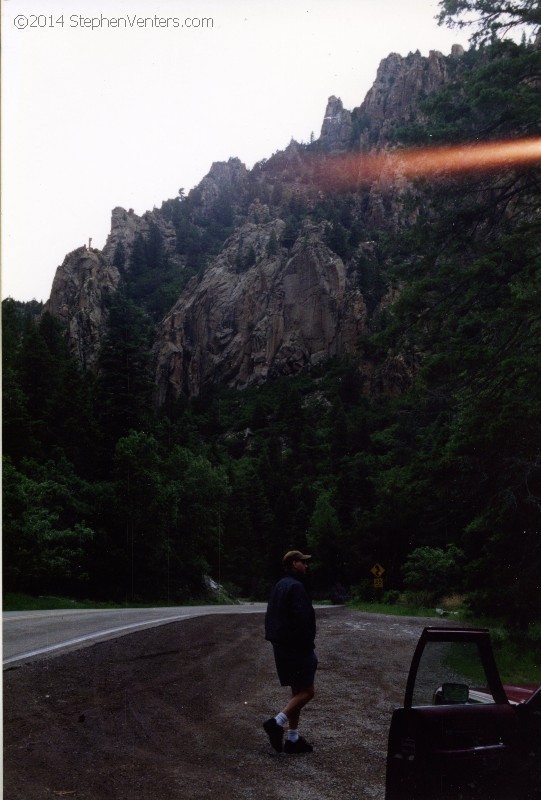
point(420, 599)
point(391, 597)
point(433, 570)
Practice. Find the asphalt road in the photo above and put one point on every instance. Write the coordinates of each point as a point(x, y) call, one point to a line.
point(32, 634)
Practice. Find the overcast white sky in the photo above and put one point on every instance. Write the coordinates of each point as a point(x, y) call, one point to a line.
point(94, 118)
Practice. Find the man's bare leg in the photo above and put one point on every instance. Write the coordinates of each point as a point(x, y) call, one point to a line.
point(299, 698)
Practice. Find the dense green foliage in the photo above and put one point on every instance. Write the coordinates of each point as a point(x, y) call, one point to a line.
point(106, 497)
point(490, 18)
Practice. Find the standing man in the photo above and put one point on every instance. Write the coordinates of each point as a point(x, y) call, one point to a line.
point(290, 624)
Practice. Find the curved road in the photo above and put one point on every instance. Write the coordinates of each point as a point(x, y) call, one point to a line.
point(29, 634)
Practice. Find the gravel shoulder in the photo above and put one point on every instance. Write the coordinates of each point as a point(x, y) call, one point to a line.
point(176, 712)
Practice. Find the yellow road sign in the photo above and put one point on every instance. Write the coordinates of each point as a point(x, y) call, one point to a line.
point(377, 570)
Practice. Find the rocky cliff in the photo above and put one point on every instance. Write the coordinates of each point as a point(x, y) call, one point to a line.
point(78, 298)
point(87, 276)
point(394, 97)
point(240, 326)
point(272, 291)
point(337, 128)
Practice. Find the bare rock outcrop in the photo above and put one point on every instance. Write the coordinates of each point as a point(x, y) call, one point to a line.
point(337, 128)
point(224, 178)
point(87, 276)
point(127, 225)
point(259, 311)
point(80, 287)
point(393, 100)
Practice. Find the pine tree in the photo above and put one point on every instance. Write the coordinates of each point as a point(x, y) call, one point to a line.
point(125, 382)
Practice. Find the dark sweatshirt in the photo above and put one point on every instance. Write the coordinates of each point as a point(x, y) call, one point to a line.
point(290, 621)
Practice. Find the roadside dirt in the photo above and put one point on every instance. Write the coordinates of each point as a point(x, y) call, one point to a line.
point(176, 712)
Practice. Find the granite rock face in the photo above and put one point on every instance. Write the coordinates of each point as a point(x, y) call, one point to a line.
point(87, 276)
point(239, 326)
point(401, 82)
point(223, 176)
point(337, 128)
point(80, 287)
point(393, 100)
point(126, 226)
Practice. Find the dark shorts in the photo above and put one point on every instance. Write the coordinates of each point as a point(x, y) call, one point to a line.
point(295, 669)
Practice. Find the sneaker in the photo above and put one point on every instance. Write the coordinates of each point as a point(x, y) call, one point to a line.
point(275, 733)
point(300, 746)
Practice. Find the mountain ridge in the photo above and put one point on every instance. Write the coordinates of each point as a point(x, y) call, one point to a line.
point(282, 191)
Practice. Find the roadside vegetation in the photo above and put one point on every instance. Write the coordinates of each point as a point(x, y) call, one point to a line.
point(14, 601)
point(517, 652)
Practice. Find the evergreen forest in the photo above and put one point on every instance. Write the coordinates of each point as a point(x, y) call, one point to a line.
point(107, 497)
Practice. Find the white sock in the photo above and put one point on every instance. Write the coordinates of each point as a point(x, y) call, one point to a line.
point(281, 718)
point(292, 736)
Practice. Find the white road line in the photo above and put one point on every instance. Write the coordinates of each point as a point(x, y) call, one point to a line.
point(96, 635)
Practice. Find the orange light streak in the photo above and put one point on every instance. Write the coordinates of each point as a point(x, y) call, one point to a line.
point(430, 162)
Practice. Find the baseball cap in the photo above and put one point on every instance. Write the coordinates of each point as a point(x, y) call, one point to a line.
point(294, 555)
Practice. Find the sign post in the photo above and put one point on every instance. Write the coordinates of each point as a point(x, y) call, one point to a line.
point(377, 571)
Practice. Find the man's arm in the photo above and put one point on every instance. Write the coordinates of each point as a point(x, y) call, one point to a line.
point(303, 621)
